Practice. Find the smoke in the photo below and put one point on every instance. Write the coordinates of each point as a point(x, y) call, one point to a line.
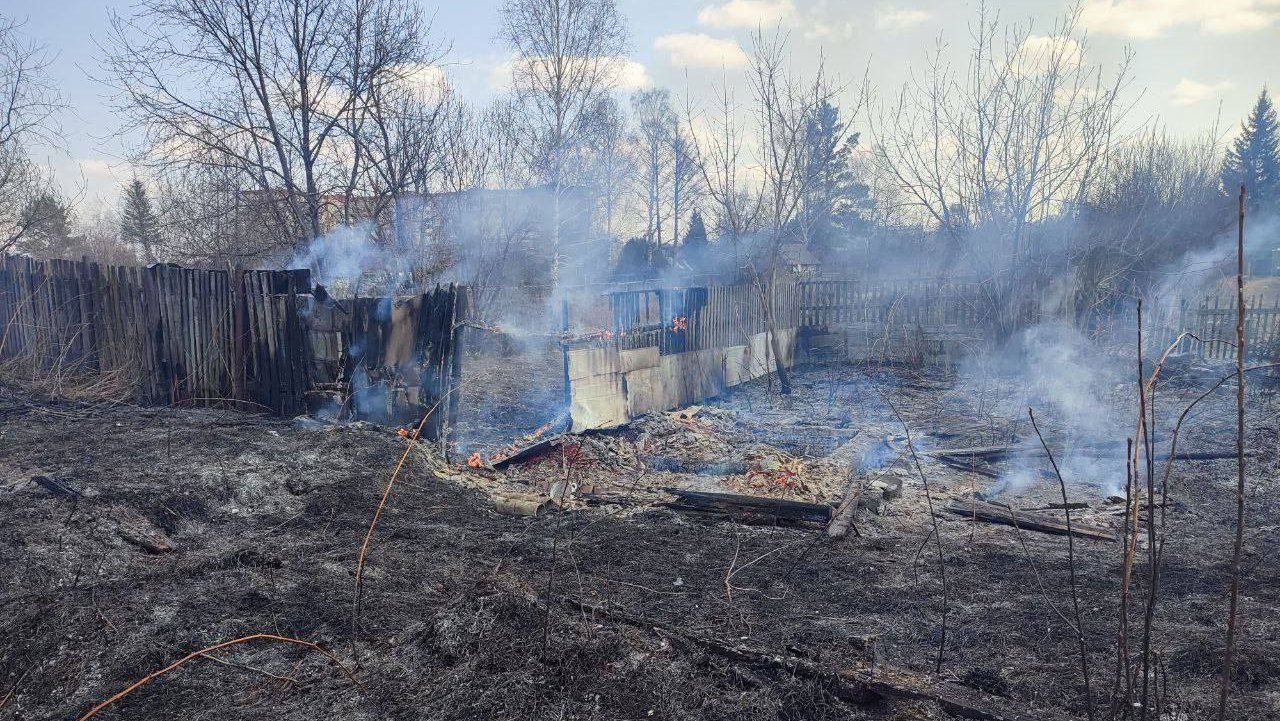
point(1069, 382)
point(343, 255)
point(1198, 272)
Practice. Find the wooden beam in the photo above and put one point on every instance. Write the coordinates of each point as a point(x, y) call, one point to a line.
point(994, 513)
point(748, 508)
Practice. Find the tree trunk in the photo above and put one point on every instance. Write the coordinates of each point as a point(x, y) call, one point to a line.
point(779, 364)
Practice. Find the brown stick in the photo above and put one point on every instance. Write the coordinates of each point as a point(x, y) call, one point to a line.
point(196, 654)
point(382, 503)
point(1233, 607)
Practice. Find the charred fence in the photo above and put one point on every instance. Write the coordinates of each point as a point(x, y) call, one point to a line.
point(258, 338)
point(638, 351)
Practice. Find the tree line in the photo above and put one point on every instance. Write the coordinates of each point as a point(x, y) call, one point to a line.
point(264, 127)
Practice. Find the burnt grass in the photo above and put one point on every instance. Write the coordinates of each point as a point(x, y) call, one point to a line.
point(267, 518)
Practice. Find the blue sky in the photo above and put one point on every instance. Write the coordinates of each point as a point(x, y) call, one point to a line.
point(1192, 56)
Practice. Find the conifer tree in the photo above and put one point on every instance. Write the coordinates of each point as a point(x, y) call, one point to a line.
point(1254, 159)
point(139, 224)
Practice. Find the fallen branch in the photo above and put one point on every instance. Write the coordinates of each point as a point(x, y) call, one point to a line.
point(202, 652)
point(993, 513)
point(857, 685)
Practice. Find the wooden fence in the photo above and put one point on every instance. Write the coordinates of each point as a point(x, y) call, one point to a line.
point(916, 302)
point(934, 306)
point(180, 335)
point(1214, 325)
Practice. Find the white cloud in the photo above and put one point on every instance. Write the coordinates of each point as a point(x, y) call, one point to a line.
point(747, 13)
point(422, 74)
point(1192, 92)
point(901, 18)
point(702, 51)
point(428, 82)
point(633, 75)
point(1039, 53)
point(1144, 19)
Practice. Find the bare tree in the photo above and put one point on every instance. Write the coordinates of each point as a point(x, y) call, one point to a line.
point(568, 55)
point(721, 160)
point(209, 216)
point(610, 164)
point(784, 108)
point(282, 84)
point(1155, 198)
point(28, 103)
point(655, 122)
point(1016, 137)
point(686, 178)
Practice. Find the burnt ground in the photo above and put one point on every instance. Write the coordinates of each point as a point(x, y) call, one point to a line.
point(267, 518)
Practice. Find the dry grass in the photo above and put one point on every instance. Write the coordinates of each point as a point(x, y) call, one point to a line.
point(46, 366)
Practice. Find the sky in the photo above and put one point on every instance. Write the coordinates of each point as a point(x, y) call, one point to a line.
point(1195, 61)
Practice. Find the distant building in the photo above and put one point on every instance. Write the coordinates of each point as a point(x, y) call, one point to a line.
point(797, 259)
point(451, 223)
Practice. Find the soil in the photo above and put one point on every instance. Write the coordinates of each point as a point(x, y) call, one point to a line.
point(266, 519)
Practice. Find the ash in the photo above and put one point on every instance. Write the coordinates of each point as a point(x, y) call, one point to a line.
point(464, 612)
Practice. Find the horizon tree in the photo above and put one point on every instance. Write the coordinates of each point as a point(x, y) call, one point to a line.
point(834, 197)
point(47, 221)
point(1253, 160)
point(139, 223)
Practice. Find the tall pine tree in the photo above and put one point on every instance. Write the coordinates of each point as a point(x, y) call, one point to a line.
point(695, 251)
point(139, 224)
point(1254, 158)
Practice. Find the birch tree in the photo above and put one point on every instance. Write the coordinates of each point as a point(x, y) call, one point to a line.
point(568, 54)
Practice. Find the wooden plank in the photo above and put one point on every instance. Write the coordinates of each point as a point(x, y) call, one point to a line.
point(271, 361)
point(239, 323)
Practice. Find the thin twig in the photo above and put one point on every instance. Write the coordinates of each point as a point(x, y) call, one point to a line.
point(1071, 564)
point(942, 565)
